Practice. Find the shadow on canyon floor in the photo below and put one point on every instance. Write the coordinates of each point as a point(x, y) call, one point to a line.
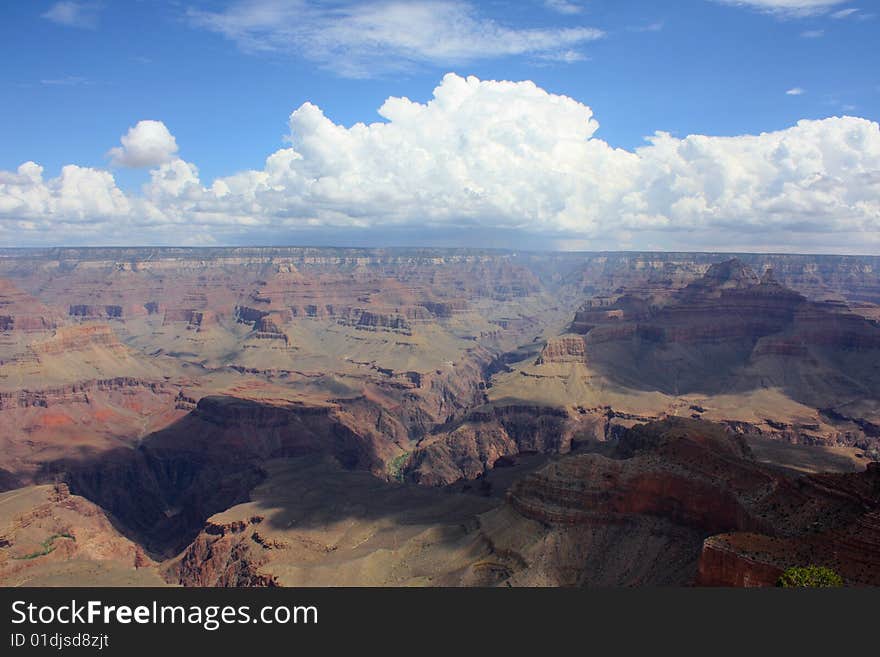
point(161, 492)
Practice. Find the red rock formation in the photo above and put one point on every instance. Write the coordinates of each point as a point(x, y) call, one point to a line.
point(196, 320)
point(485, 436)
point(21, 312)
point(76, 338)
point(48, 535)
point(725, 564)
point(217, 557)
point(669, 470)
point(85, 418)
point(75, 392)
point(732, 331)
point(756, 520)
point(564, 349)
point(845, 537)
point(163, 489)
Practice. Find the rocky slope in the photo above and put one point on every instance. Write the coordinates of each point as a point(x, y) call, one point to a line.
point(485, 436)
point(732, 331)
point(842, 533)
point(49, 537)
point(162, 489)
point(22, 312)
point(683, 483)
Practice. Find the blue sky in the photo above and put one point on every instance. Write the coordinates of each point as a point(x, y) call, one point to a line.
point(223, 77)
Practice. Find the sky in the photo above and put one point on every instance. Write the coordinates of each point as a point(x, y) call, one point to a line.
point(732, 125)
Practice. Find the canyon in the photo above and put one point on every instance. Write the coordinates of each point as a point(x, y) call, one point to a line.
point(318, 416)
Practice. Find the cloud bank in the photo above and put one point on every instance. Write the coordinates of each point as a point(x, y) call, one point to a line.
point(479, 157)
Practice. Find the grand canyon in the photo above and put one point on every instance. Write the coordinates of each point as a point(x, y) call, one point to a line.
point(287, 416)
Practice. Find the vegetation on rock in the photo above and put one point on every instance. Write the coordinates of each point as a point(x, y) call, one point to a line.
point(809, 577)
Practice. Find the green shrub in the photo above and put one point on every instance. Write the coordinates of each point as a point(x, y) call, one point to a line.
point(47, 546)
point(395, 469)
point(809, 577)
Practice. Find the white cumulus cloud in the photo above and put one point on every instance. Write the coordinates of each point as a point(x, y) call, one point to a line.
point(486, 156)
point(78, 194)
point(818, 176)
point(147, 144)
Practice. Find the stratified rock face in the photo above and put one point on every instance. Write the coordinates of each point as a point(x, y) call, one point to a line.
point(21, 312)
point(247, 315)
point(846, 538)
point(372, 320)
point(71, 389)
point(564, 349)
point(218, 556)
point(722, 563)
point(731, 331)
point(50, 537)
point(255, 430)
point(75, 393)
point(163, 489)
point(608, 311)
point(698, 482)
point(666, 470)
point(196, 320)
point(444, 309)
point(855, 278)
point(484, 437)
point(84, 311)
point(77, 338)
point(728, 304)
